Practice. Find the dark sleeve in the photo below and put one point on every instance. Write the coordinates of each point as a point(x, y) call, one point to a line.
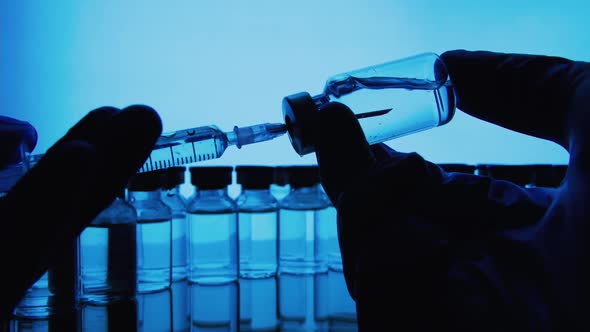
point(13, 134)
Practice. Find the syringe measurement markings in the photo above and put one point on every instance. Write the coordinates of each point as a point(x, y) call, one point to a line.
point(148, 163)
point(171, 156)
point(194, 152)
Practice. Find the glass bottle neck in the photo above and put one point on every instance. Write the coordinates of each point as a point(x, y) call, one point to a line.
point(144, 195)
point(211, 192)
point(316, 188)
point(256, 192)
point(321, 99)
point(175, 191)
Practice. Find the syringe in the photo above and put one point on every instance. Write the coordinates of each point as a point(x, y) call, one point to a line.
point(203, 143)
point(185, 146)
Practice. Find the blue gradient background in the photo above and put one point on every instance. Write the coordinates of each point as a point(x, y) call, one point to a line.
point(231, 62)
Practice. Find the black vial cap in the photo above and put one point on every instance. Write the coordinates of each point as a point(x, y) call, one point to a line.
point(518, 174)
point(559, 171)
point(281, 177)
point(173, 176)
point(548, 175)
point(303, 176)
point(459, 168)
point(146, 181)
point(300, 113)
point(481, 169)
point(255, 177)
point(211, 177)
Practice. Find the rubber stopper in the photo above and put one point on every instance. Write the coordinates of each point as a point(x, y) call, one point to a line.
point(300, 112)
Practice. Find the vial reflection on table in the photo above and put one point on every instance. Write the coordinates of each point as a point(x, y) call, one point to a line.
point(214, 307)
point(303, 301)
point(120, 315)
point(180, 306)
point(258, 304)
point(154, 311)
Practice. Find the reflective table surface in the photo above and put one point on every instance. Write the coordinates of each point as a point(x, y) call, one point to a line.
point(317, 302)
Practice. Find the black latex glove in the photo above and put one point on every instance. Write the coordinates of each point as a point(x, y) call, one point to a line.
point(464, 252)
point(77, 178)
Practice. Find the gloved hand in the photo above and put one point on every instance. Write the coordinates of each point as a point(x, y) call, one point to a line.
point(13, 134)
point(428, 250)
point(77, 178)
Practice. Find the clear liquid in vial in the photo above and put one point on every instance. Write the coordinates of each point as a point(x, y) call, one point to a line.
point(179, 247)
point(258, 244)
point(153, 254)
point(410, 104)
point(108, 262)
point(213, 247)
point(303, 245)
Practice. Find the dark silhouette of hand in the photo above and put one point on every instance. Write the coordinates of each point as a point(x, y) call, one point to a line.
point(424, 249)
point(56, 199)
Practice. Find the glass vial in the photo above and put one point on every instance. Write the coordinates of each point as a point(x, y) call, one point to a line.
point(213, 229)
point(107, 254)
point(304, 223)
point(173, 179)
point(390, 100)
point(257, 222)
point(153, 232)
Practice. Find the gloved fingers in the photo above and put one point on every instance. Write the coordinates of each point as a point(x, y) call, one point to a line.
point(122, 139)
point(44, 212)
point(342, 151)
point(530, 94)
point(76, 179)
point(92, 127)
point(131, 137)
point(383, 152)
point(13, 134)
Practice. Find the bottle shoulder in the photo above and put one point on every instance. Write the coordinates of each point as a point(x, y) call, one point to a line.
point(152, 210)
point(174, 201)
point(219, 204)
point(119, 212)
point(258, 201)
point(314, 200)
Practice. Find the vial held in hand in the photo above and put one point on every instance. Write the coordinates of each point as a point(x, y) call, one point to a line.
point(390, 100)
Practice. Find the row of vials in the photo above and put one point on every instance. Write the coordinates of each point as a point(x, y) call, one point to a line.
point(274, 245)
